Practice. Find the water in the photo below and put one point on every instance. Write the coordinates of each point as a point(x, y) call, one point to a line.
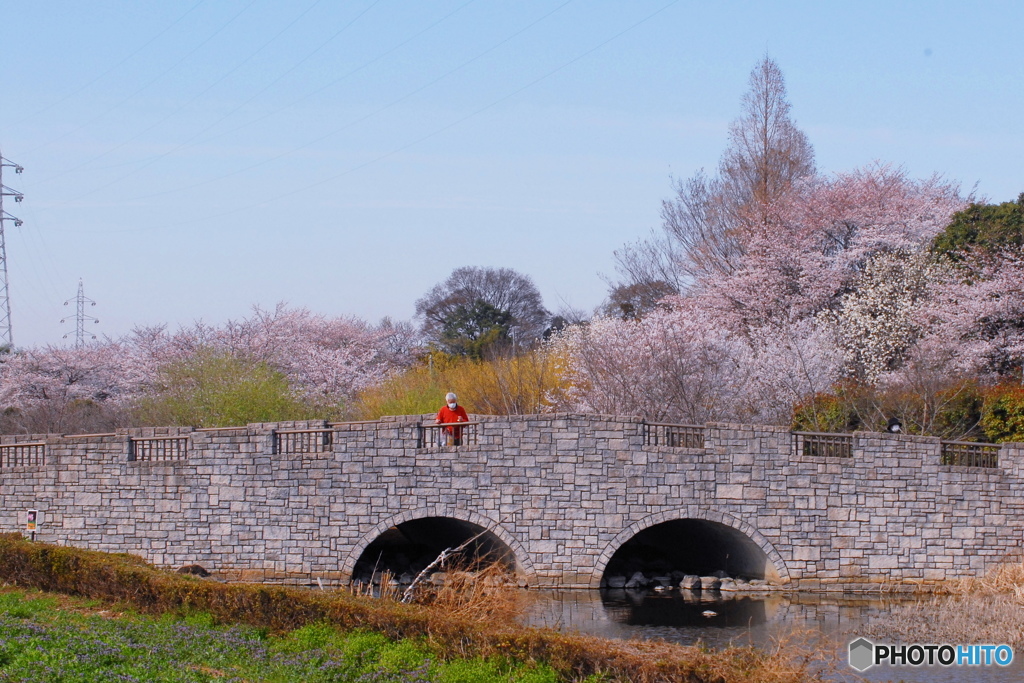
point(828, 620)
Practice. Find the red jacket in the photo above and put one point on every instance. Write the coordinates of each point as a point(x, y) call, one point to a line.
point(446, 415)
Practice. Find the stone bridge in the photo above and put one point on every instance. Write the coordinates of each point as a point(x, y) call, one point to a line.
point(562, 499)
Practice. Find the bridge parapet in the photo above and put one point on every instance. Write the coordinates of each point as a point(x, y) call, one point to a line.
point(300, 497)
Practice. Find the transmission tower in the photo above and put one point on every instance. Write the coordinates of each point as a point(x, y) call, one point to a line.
point(80, 317)
point(6, 338)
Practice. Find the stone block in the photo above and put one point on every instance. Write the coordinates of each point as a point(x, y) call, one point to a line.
point(807, 553)
point(730, 491)
point(883, 562)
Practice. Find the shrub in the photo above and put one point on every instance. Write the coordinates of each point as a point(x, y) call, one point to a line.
point(216, 389)
point(511, 385)
point(949, 410)
point(834, 412)
point(1003, 413)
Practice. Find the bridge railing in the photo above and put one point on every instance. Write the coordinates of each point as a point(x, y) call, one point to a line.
point(823, 445)
point(288, 441)
point(673, 435)
point(438, 436)
point(22, 454)
point(158, 448)
point(969, 454)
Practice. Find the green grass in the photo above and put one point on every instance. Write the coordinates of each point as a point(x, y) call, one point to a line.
point(43, 638)
point(463, 645)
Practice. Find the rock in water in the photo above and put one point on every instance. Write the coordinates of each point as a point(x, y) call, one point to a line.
point(690, 582)
point(638, 580)
point(710, 582)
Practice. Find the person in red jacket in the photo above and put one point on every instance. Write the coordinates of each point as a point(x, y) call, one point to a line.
point(450, 413)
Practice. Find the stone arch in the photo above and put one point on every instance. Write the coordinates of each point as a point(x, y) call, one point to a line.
point(695, 512)
point(524, 564)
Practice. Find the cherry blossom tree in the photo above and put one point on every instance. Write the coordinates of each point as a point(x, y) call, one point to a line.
point(325, 359)
point(816, 242)
point(829, 282)
point(680, 365)
point(53, 389)
point(661, 367)
point(878, 320)
point(979, 308)
point(325, 362)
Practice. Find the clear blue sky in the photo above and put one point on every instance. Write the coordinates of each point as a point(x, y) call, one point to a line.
point(188, 159)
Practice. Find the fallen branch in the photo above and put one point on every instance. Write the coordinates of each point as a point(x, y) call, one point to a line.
point(439, 561)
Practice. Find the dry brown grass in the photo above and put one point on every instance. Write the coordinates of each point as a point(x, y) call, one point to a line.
point(450, 634)
point(484, 594)
point(989, 609)
point(953, 619)
point(488, 595)
point(1005, 579)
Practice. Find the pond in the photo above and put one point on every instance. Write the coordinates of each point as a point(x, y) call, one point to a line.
point(824, 620)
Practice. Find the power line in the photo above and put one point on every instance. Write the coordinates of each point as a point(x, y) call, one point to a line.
point(6, 338)
point(166, 71)
point(172, 114)
point(188, 142)
point(401, 148)
point(87, 84)
point(413, 143)
point(80, 317)
point(332, 133)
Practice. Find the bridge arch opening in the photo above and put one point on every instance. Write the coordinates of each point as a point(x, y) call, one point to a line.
point(406, 549)
point(690, 547)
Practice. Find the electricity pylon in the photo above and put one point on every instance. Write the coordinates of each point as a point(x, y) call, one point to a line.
point(6, 338)
point(80, 317)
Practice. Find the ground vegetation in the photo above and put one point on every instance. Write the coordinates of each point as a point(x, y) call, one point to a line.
point(417, 629)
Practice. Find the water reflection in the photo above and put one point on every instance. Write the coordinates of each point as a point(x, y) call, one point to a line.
point(682, 609)
point(826, 621)
point(676, 616)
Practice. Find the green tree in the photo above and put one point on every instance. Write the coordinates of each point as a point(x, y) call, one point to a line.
point(1003, 413)
point(457, 302)
point(216, 389)
point(987, 228)
point(476, 329)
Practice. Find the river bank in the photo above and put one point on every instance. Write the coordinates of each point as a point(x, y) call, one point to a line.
point(445, 633)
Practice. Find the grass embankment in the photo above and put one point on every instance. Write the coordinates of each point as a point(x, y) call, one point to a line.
point(48, 637)
point(445, 636)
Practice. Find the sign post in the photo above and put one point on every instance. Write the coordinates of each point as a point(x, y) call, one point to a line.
point(31, 522)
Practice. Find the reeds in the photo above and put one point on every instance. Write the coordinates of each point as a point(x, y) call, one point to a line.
point(954, 619)
point(1004, 579)
point(487, 595)
point(988, 609)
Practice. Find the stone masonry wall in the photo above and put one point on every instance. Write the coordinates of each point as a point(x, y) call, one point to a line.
point(564, 492)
